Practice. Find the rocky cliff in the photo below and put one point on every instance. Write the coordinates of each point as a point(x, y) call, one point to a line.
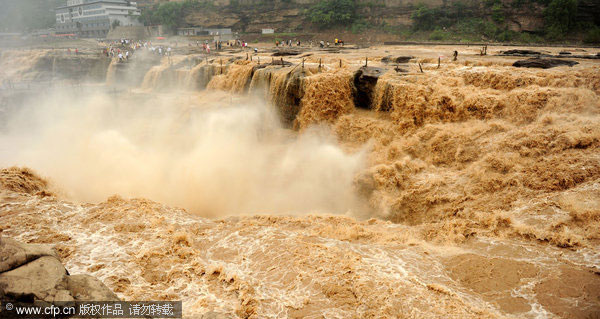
point(291, 16)
point(287, 16)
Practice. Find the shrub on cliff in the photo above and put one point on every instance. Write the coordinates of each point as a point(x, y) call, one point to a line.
point(439, 34)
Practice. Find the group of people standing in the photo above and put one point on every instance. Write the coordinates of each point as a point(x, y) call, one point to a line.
point(125, 48)
point(218, 45)
point(336, 42)
point(322, 43)
point(288, 43)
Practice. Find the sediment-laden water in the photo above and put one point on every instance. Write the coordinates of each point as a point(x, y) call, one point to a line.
point(468, 190)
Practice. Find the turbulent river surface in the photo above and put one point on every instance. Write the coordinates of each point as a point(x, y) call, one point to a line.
point(263, 190)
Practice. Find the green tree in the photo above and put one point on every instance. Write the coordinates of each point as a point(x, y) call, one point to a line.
point(498, 12)
point(424, 18)
point(169, 14)
point(333, 12)
point(560, 17)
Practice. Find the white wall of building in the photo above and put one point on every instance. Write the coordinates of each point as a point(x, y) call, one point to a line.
point(94, 18)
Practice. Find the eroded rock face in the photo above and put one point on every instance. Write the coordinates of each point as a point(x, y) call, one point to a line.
point(40, 279)
point(31, 273)
point(14, 254)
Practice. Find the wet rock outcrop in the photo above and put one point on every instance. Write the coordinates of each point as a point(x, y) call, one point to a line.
point(290, 90)
point(30, 272)
point(396, 59)
point(543, 63)
point(521, 52)
point(286, 52)
point(364, 81)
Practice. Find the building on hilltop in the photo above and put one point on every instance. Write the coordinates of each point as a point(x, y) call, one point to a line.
point(94, 18)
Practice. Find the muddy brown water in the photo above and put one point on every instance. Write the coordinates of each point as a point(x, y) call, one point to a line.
point(468, 190)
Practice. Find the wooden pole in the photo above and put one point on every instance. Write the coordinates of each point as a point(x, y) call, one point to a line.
point(366, 61)
point(340, 63)
point(439, 61)
point(302, 63)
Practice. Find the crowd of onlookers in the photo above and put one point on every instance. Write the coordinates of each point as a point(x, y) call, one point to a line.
point(124, 49)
